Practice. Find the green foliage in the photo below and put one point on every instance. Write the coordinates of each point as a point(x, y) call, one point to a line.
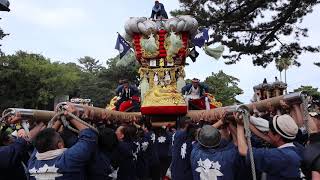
point(110, 76)
point(90, 64)
point(254, 28)
point(100, 85)
point(32, 81)
point(310, 91)
point(224, 87)
point(283, 64)
point(2, 35)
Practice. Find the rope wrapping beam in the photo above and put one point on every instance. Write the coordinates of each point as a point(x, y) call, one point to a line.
point(305, 113)
point(66, 123)
point(83, 122)
point(246, 122)
point(5, 116)
point(50, 123)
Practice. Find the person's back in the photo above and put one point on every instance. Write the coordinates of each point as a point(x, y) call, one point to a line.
point(152, 156)
point(282, 162)
point(11, 158)
point(163, 144)
point(214, 155)
point(62, 163)
point(125, 158)
point(181, 151)
point(100, 165)
point(13, 154)
point(311, 154)
point(278, 163)
point(221, 162)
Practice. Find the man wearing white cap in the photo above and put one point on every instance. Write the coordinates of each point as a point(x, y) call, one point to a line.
point(282, 162)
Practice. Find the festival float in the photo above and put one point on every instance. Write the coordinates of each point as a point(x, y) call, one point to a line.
point(161, 48)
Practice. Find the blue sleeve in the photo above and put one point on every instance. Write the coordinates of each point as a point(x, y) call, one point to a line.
point(177, 135)
point(169, 138)
point(119, 89)
point(135, 91)
point(120, 154)
point(116, 156)
point(82, 151)
point(10, 155)
point(185, 89)
point(32, 159)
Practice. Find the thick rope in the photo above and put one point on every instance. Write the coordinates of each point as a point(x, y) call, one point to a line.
point(305, 113)
point(83, 122)
point(67, 124)
point(50, 123)
point(246, 123)
point(5, 116)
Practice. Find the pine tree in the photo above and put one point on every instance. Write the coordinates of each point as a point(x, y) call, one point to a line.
point(254, 28)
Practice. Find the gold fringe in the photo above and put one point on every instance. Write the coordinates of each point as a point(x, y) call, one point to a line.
point(173, 76)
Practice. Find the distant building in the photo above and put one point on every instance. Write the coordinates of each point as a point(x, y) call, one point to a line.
point(267, 90)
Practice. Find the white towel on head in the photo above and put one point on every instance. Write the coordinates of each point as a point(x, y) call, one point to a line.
point(260, 123)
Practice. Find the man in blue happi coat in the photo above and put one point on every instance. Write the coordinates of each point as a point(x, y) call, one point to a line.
point(14, 154)
point(100, 166)
point(214, 155)
point(125, 93)
point(148, 159)
point(125, 156)
point(158, 11)
point(149, 145)
point(282, 162)
point(51, 160)
point(163, 144)
point(181, 150)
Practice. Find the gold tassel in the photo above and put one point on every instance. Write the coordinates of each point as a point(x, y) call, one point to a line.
point(173, 75)
point(151, 79)
point(161, 73)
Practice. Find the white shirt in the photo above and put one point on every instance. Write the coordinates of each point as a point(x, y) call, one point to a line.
point(195, 93)
point(286, 145)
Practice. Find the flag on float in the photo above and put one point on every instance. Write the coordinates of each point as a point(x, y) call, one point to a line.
point(122, 45)
point(200, 38)
point(193, 54)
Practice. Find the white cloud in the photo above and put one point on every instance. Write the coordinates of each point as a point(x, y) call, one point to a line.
point(48, 17)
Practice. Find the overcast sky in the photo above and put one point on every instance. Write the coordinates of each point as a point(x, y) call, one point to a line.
point(64, 30)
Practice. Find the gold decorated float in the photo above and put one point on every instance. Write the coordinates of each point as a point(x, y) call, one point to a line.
point(161, 48)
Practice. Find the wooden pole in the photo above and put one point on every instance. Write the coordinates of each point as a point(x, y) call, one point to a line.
point(30, 114)
point(94, 114)
point(262, 106)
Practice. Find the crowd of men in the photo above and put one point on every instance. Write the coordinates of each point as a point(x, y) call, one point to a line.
point(282, 149)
